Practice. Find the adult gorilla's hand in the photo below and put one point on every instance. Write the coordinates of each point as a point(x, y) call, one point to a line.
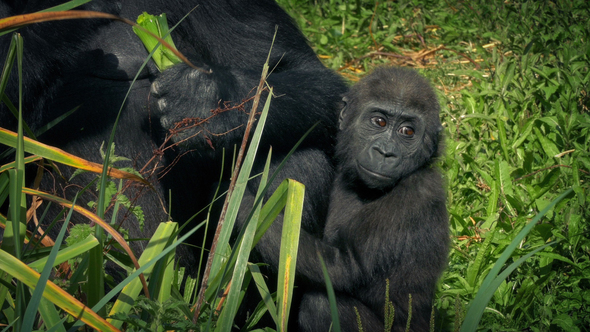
point(182, 93)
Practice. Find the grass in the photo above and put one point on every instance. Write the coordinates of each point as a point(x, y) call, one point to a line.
point(513, 81)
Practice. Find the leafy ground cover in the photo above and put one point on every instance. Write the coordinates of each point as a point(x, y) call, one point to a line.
point(513, 80)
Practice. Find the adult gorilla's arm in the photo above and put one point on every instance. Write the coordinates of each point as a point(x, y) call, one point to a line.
point(304, 96)
point(307, 92)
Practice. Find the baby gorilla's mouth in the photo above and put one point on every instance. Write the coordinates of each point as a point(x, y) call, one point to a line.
point(372, 173)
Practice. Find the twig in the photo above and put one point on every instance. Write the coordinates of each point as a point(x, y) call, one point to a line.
point(477, 66)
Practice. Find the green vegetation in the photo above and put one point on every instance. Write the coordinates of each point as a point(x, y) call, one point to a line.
point(514, 83)
point(158, 25)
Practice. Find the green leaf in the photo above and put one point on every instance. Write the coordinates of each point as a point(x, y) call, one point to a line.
point(474, 269)
point(225, 320)
point(549, 90)
point(565, 322)
point(503, 172)
point(158, 25)
point(502, 136)
point(548, 146)
point(558, 257)
point(66, 6)
point(264, 291)
point(65, 254)
point(493, 280)
point(331, 296)
point(157, 244)
point(289, 248)
point(32, 307)
point(53, 293)
point(241, 183)
point(508, 76)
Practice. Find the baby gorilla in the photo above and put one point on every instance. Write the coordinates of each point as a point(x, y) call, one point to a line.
point(387, 219)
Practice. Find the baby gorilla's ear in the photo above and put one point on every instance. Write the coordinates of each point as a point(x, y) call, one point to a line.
point(343, 105)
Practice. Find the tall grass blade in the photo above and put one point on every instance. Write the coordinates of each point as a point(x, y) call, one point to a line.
point(94, 288)
point(10, 138)
point(50, 315)
point(163, 275)
point(96, 271)
point(492, 280)
point(117, 289)
point(482, 298)
point(34, 302)
point(129, 294)
point(91, 216)
point(289, 248)
point(66, 254)
point(15, 231)
point(268, 214)
point(331, 297)
point(65, 6)
point(264, 291)
point(240, 187)
point(8, 64)
point(52, 292)
point(239, 178)
point(225, 321)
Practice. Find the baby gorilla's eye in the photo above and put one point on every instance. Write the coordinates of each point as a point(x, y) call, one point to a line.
point(379, 121)
point(407, 131)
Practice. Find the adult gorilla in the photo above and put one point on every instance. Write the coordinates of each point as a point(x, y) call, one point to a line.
point(91, 63)
point(387, 220)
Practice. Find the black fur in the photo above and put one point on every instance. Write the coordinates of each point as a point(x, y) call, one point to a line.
point(386, 224)
point(91, 63)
